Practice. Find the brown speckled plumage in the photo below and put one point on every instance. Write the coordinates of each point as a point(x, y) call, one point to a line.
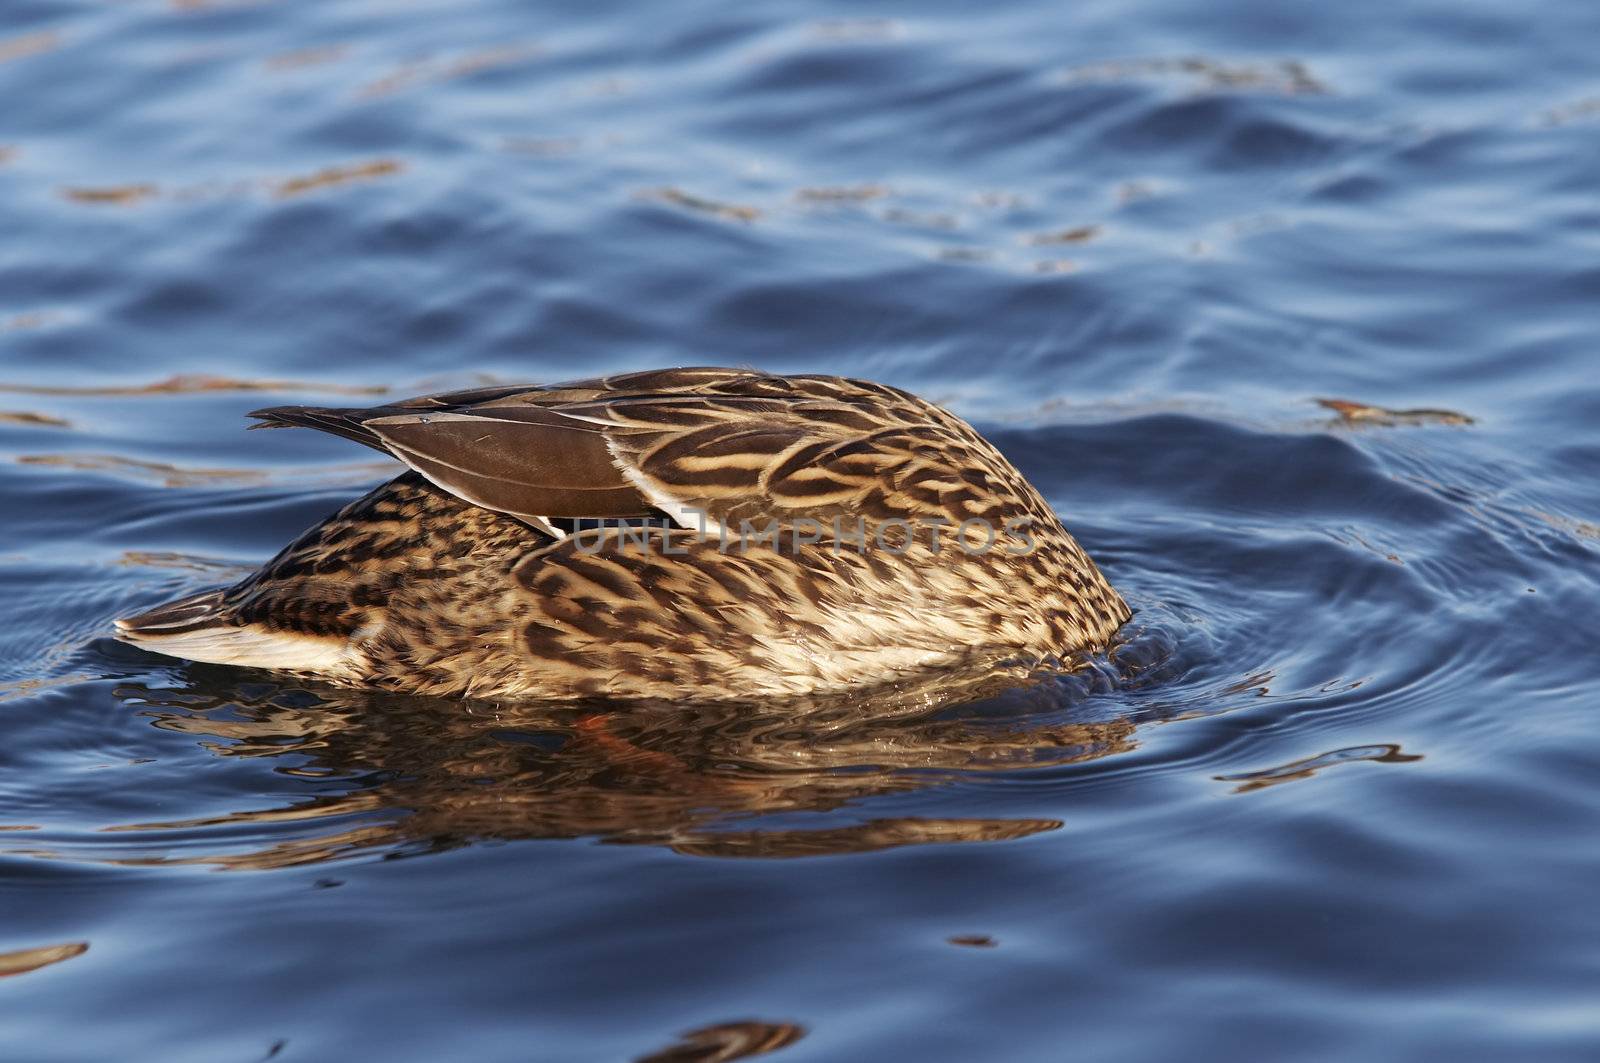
point(469, 575)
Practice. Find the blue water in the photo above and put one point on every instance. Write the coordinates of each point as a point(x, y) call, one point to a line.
point(1332, 798)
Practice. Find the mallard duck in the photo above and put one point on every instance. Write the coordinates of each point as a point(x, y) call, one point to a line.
point(682, 533)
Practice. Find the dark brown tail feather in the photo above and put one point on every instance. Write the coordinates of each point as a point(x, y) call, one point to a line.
point(173, 618)
point(346, 422)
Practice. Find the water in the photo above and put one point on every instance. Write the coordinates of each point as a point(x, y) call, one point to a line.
point(1333, 797)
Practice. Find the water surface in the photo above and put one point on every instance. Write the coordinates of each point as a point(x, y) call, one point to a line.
point(1331, 798)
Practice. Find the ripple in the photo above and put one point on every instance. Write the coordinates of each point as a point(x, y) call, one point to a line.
point(332, 176)
point(676, 197)
point(1250, 781)
point(1136, 253)
point(1289, 77)
point(1363, 414)
point(433, 71)
point(300, 58)
point(189, 383)
point(168, 475)
point(729, 1041)
point(117, 195)
point(30, 44)
point(127, 195)
point(30, 419)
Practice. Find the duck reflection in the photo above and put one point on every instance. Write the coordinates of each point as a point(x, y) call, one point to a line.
point(725, 780)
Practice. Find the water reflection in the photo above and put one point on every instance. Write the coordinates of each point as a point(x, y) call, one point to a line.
point(166, 474)
point(431, 71)
point(32, 419)
point(14, 48)
point(1384, 753)
point(299, 58)
point(1360, 413)
point(677, 197)
point(181, 384)
point(121, 195)
point(130, 194)
point(24, 960)
point(728, 1041)
point(1287, 78)
point(720, 780)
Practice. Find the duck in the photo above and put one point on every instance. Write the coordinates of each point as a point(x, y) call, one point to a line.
point(699, 534)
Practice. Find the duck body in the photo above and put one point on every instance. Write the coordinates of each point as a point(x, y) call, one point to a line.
point(687, 533)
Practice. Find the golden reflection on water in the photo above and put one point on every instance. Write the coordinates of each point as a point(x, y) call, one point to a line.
point(32, 419)
point(337, 175)
point(1249, 781)
point(128, 195)
point(206, 566)
point(677, 197)
point(1581, 529)
point(728, 1041)
point(24, 960)
point(120, 195)
point(13, 48)
point(690, 778)
point(165, 474)
point(1361, 413)
point(32, 319)
point(186, 384)
point(432, 71)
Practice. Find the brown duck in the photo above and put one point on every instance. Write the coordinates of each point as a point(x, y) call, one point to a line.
point(681, 533)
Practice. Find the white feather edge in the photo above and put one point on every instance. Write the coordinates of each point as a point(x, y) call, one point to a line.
point(685, 516)
point(249, 647)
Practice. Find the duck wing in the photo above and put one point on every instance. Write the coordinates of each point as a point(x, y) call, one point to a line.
point(707, 446)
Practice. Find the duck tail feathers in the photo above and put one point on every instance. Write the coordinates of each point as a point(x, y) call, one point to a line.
point(201, 628)
point(173, 618)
